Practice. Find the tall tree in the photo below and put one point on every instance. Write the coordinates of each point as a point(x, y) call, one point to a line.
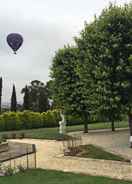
point(108, 40)
point(14, 100)
point(68, 89)
point(26, 99)
point(37, 96)
point(50, 92)
point(0, 92)
point(43, 100)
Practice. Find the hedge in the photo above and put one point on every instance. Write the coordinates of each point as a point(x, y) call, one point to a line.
point(28, 120)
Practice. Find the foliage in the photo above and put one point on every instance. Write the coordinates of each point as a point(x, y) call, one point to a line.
point(94, 78)
point(53, 133)
point(2, 123)
point(36, 97)
point(68, 90)
point(51, 118)
point(28, 120)
point(50, 88)
point(105, 56)
point(11, 121)
point(13, 100)
point(26, 101)
point(8, 171)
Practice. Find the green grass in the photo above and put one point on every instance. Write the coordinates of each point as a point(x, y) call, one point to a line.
point(56, 177)
point(91, 151)
point(52, 133)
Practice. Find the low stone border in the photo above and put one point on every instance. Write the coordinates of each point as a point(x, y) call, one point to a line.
point(96, 167)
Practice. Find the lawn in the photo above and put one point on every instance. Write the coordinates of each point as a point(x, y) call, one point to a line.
point(52, 133)
point(56, 177)
point(91, 151)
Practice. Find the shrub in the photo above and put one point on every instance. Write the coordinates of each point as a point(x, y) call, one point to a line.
point(8, 171)
point(2, 123)
point(51, 118)
point(25, 119)
point(30, 120)
point(36, 120)
point(11, 121)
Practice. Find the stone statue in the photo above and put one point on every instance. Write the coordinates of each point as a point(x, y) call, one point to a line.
point(62, 124)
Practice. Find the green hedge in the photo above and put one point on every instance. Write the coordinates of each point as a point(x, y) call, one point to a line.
point(51, 118)
point(28, 120)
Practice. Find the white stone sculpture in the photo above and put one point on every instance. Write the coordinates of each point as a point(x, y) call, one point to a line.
point(62, 124)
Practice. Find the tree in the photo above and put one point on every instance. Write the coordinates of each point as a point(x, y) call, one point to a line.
point(13, 100)
point(43, 100)
point(0, 92)
point(68, 90)
point(37, 96)
point(97, 74)
point(26, 99)
point(108, 40)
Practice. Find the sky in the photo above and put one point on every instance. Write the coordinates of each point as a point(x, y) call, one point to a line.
point(46, 26)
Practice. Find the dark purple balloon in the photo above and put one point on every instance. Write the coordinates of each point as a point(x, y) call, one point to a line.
point(15, 41)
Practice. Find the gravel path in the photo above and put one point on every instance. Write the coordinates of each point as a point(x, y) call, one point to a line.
point(50, 155)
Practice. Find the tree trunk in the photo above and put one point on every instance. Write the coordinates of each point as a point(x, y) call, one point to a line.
point(112, 126)
point(85, 126)
point(130, 127)
point(86, 119)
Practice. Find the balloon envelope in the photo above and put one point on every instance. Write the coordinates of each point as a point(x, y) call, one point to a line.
point(15, 41)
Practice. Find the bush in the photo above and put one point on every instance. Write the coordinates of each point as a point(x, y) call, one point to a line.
point(2, 123)
point(25, 119)
point(35, 120)
point(30, 120)
point(11, 121)
point(51, 118)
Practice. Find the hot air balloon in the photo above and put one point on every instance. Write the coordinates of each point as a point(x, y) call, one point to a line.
point(15, 41)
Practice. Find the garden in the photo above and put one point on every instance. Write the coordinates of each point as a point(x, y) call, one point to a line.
point(90, 92)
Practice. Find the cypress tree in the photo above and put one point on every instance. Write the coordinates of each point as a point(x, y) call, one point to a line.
point(13, 100)
point(26, 100)
point(0, 92)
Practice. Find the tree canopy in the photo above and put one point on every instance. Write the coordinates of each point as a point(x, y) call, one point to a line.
point(36, 97)
point(96, 75)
